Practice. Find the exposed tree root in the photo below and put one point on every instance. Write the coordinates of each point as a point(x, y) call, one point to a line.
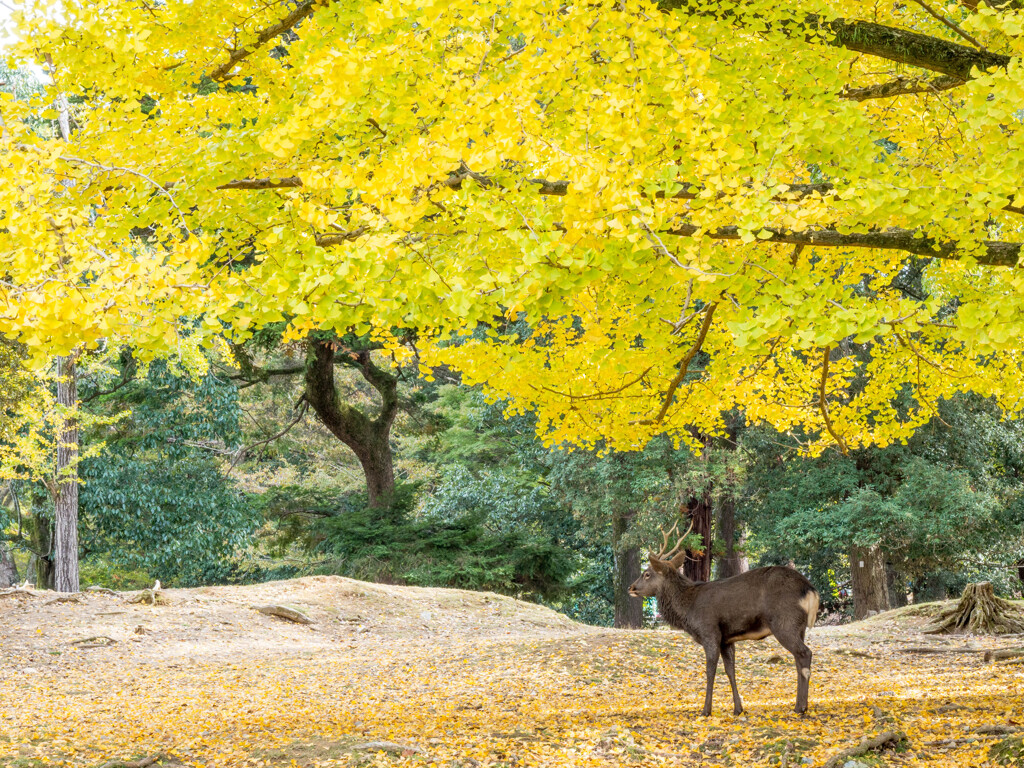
point(980, 612)
point(284, 612)
point(74, 597)
point(17, 592)
point(149, 597)
point(1003, 653)
point(98, 641)
point(876, 742)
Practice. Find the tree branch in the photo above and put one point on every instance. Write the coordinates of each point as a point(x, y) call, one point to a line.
point(301, 11)
point(951, 24)
point(280, 183)
point(890, 43)
point(993, 253)
point(823, 404)
point(684, 366)
point(902, 86)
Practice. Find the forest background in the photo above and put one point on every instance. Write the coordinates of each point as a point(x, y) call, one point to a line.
point(199, 475)
point(382, 429)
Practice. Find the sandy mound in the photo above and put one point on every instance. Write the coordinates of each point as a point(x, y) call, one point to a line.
point(39, 627)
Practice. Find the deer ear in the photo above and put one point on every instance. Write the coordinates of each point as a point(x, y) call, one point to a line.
point(678, 560)
point(661, 566)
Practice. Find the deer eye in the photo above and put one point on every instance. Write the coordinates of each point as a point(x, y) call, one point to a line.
point(647, 575)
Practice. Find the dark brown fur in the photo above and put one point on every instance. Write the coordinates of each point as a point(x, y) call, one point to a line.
point(775, 600)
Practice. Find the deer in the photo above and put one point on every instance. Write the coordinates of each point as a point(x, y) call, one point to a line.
point(718, 614)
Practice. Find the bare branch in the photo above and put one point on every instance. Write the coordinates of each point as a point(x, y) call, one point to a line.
point(902, 86)
point(823, 404)
point(993, 253)
point(953, 26)
point(281, 183)
point(684, 366)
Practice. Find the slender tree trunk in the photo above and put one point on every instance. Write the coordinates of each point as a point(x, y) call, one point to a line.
point(8, 568)
point(732, 562)
point(42, 541)
point(629, 611)
point(870, 586)
point(65, 546)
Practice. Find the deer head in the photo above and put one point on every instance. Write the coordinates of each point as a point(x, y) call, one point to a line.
point(667, 561)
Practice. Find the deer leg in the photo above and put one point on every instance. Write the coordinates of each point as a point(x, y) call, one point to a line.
point(711, 653)
point(729, 657)
point(794, 643)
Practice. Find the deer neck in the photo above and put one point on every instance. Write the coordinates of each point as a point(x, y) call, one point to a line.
point(674, 600)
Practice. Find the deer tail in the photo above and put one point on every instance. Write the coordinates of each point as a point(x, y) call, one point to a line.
point(809, 602)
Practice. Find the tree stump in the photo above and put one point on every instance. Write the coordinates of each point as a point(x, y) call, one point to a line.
point(980, 612)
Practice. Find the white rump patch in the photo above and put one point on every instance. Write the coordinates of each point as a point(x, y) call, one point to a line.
point(809, 603)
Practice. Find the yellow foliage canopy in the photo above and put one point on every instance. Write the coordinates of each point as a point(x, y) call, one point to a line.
point(787, 208)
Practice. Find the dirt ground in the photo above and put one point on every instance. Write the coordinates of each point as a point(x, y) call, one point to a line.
point(408, 676)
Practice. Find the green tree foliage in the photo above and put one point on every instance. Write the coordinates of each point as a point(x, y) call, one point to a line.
point(940, 502)
point(158, 498)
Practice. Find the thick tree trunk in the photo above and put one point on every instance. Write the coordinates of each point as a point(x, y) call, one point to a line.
point(368, 438)
point(8, 568)
point(897, 586)
point(870, 586)
point(732, 562)
point(700, 512)
point(629, 611)
point(65, 545)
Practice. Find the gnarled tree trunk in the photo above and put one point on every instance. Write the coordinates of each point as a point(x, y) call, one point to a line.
point(980, 612)
point(870, 585)
point(368, 438)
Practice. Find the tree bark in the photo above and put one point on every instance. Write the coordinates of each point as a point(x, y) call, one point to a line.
point(41, 535)
point(700, 512)
point(732, 562)
point(870, 587)
point(629, 611)
point(896, 585)
point(368, 438)
point(65, 549)
point(8, 568)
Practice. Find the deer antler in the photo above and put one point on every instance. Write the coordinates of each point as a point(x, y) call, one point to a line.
point(668, 554)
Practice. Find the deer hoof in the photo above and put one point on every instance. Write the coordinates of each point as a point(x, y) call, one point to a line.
point(737, 710)
point(706, 712)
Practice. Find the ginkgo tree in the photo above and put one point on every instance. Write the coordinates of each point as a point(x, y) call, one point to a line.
point(695, 205)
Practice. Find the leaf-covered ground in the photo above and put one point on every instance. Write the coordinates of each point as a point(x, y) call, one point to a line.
point(444, 677)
